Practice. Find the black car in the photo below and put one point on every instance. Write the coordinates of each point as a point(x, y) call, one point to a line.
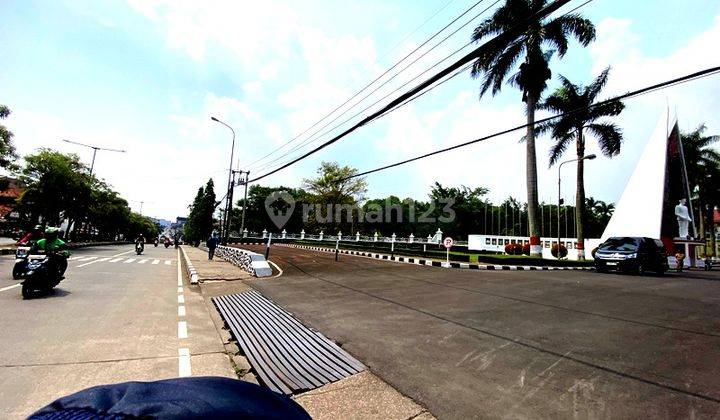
point(631, 254)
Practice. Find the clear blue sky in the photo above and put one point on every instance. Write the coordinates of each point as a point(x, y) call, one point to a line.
point(146, 76)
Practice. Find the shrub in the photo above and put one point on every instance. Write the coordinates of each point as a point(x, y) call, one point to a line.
point(526, 249)
point(563, 251)
point(513, 249)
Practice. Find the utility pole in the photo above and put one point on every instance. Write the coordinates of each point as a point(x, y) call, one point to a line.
point(95, 149)
point(242, 219)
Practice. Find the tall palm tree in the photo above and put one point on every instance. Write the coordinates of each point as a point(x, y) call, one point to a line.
point(533, 47)
point(576, 103)
point(703, 168)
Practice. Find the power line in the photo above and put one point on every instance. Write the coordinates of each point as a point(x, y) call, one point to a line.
point(632, 94)
point(315, 136)
point(423, 85)
point(371, 83)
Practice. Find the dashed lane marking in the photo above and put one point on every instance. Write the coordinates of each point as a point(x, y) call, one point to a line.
point(129, 260)
point(180, 289)
point(87, 258)
point(143, 261)
point(182, 329)
point(181, 299)
point(168, 262)
point(123, 253)
point(184, 369)
point(156, 262)
point(116, 259)
point(10, 287)
point(92, 262)
point(181, 310)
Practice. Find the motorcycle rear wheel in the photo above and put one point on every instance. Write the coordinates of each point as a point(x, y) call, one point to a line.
point(27, 292)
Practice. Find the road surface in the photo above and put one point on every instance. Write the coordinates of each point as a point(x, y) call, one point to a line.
point(516, 344)
point(116, 317)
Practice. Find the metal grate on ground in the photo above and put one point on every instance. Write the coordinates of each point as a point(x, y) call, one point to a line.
point(287, 356)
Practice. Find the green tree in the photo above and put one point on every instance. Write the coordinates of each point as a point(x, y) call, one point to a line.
point(7, 149)
point(530, 47)
point(58, 186)
point(331, 188)
point(205, 219)
point(581, 115)
point(703, 168)
point(192, 233)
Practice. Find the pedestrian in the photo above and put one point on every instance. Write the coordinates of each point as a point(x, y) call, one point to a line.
point(212, 243)
point(680, 258)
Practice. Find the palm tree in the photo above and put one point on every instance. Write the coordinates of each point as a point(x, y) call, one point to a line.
point(529, 47)
point(580, 114)
point(703, 169)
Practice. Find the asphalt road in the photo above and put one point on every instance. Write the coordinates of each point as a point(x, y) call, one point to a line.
point(491, 344)
point(115, 318)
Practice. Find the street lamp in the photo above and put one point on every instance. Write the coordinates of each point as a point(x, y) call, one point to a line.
point(228, 204)
point(95, 149)
point(588, 157)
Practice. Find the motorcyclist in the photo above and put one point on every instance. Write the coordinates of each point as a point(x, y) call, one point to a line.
point(34, 235)
point(54, 247)
point(140, 241)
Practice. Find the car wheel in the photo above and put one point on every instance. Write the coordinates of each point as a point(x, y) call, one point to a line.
point(640, 270)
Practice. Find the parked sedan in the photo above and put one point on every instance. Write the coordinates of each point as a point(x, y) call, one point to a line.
point(630, 254)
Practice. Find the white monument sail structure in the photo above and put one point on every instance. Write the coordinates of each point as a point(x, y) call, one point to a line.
point(639, 212)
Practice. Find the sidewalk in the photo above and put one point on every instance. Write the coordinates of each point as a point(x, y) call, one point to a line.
point(361, 396)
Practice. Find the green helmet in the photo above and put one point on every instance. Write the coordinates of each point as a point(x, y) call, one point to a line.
point(51, 232)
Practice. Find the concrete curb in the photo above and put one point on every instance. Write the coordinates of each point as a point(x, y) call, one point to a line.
point(252, 262)
point(432, 263)
point(192, 273)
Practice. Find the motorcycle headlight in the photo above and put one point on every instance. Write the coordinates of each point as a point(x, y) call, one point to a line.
point(631, 256)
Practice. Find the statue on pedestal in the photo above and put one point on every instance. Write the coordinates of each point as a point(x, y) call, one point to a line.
point(683, 219)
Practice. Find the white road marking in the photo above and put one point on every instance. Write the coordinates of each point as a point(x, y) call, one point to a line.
point(116, 259)
point(182, 329)
point(87, 258)
point(181, 299)
point(181, 310)
point(180, 280)
point(180, 289)
point(10, 287)
point(156, 262)
point(184, 369)
point(168, 262)
point(280, 272)
point(73, 258)
point(129, 260)
point(88, 263)
point(143, 261)
point(123, 253)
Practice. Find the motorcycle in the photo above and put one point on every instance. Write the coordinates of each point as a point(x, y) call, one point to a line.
point(156, 243)
point(21, 258)
point(167, 243)
point(139, 248)
point(44, 271)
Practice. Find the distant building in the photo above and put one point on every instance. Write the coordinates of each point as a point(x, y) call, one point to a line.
point(10, 190)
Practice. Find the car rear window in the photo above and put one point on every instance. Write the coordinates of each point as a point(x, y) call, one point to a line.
point(621, 244)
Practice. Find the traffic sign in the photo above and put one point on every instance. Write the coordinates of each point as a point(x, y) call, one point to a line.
point(448, 242)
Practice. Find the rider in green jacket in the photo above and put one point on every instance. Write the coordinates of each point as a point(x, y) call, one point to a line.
point(54, 247)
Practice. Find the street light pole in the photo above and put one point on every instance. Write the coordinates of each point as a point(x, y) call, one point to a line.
point(95, 149)
point(588, 157)
point(228, 204)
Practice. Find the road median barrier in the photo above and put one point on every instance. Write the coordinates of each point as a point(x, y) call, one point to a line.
point(252, 262)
